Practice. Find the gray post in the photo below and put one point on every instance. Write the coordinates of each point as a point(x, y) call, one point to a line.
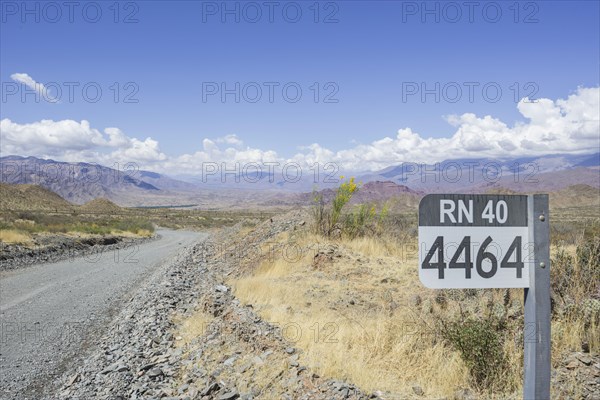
point(536, 385)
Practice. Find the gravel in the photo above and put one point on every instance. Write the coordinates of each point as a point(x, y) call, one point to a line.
point(216, 364)
point(51, 315)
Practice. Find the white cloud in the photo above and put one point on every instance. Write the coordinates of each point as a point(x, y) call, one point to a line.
point(76, 141)
point(39, 88)
point(231, 140)
point(568, 125)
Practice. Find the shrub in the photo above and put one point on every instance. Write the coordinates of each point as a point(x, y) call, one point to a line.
point(588, 266)
point(327, 218)
point(366, 220)
point(575, 279)
point(360, 222)
point(342, 196)
point(561, 273)
point(480, 343)
point(318, 212)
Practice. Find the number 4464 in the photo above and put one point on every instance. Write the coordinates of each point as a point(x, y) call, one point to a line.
point(465, 248)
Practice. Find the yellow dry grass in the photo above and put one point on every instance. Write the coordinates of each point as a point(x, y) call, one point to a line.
point(379, 343)
point(12, 236)
point(355, 317)
point(189, 328)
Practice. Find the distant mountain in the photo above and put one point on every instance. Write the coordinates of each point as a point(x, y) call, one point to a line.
point(551, 172)
point(371, 192)
point(81, 182)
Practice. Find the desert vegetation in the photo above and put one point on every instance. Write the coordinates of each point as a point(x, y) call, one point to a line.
point(28, 211)
point(353, 293)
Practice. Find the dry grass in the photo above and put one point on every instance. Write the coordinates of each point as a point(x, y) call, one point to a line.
point(12, 236)
point(363, 316)
point(191, 327)
point(379, 342)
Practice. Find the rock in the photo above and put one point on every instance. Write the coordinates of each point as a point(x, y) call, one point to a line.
point(290, 350)
point(221, 288)
point(587, 360)
point(463, 394)
point(73, 379)
point(233, 394)
point(122, 368)
point(229, 362)
point(155, 373)
point(418, 390)
point(183, 388)
point(416, 300)
point(146, 367)
point(257, 360)
point(108, 369)
point(212, 388)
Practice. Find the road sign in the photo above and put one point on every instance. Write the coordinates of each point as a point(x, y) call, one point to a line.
point(494, 241)
point(474, 241)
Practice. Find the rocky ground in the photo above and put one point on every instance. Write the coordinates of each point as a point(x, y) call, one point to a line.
point(578, 377)
point(235, 354)
point(140, 356)
point(52, 248)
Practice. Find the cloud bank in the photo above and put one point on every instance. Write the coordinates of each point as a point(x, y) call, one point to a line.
point(568, 125)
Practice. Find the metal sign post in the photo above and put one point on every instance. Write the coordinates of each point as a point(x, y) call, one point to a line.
point(494, 241)
point(536, 384)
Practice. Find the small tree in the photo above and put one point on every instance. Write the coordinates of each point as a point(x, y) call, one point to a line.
point(327, 218)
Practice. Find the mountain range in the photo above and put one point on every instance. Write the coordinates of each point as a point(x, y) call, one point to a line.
point(81, 182)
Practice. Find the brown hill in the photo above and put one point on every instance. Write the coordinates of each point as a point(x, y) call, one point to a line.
point(378, 192)
point(101, 206)
point(30, 197)
point(579, 195)
point(501, 190)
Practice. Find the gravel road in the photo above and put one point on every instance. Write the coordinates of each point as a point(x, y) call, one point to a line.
point(50, 314)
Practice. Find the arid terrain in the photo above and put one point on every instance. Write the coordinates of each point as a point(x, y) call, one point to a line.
point(279, 305)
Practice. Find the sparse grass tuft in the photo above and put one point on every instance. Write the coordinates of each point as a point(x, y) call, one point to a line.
point(191, 327)
point(12, 236)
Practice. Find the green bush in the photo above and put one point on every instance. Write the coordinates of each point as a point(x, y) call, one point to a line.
point(365, 220)
point(561, 273)
point(480, 343)
point(574, 279)
point(588, 266)
point(327, 218)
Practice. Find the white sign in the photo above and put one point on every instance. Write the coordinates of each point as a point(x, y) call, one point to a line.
point(474, 241)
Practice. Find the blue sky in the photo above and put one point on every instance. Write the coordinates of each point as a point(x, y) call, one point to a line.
point(371, 56)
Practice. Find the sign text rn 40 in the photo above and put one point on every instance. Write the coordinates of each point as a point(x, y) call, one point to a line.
point(448, 208)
